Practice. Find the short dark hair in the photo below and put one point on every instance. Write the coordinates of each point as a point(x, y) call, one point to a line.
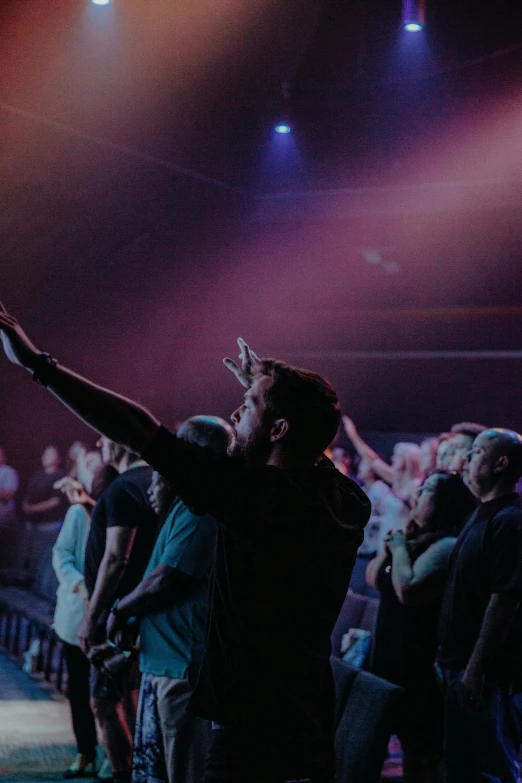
point(307, 401)
point(208, 431)
point(469, 428)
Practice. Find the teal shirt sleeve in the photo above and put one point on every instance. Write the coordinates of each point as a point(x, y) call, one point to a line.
point(190, 542)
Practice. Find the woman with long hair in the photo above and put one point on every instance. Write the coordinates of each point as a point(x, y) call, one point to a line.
point(411, 576)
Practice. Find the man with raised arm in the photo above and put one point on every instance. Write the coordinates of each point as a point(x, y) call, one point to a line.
point(289, 529)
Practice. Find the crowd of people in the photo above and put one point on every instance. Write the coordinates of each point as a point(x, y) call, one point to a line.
point(201, 574)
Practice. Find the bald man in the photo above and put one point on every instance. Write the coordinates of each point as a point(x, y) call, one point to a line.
point(480, 649)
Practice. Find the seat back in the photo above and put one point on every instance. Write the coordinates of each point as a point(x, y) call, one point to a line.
point(366, 716)
point(358, 611)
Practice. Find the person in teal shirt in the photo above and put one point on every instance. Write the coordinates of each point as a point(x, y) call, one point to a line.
point(172, 603)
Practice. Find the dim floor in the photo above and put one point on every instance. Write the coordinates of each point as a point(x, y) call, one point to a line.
point(36, 741)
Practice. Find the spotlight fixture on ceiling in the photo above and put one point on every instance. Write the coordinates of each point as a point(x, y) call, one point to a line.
point(413, 15)
point(283, 124)
point(100, 2)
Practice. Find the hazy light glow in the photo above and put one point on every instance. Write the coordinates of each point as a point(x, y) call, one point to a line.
point(101, 2)
point(413, 27)
point(283, 129)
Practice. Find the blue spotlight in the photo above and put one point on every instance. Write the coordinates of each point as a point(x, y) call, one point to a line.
point(283, 128)
point(101, 2)
point(413, 27)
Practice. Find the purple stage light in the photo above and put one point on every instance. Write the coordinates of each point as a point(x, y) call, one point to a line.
point(413, 27)
point(282, 128)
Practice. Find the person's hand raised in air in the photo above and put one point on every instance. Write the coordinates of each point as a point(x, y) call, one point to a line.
point(17, 346)
point(249, 363)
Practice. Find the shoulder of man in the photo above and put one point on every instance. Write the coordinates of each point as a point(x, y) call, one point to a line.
point(508, 515)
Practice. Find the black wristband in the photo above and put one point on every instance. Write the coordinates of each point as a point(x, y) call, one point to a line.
point(114, 607)
point(44, 369)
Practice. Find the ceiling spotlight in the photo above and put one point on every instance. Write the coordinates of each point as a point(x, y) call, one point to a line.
point(101, 2)
point(413, 15)
point(283, 128)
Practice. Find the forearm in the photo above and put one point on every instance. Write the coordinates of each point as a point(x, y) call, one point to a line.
point(402, 571)
point(496, 624)
point(109, 577)
point(382, 469)
point(363, 450)
point(151, 595)
point(118, 418)
point(372, 570)
point(39, 508)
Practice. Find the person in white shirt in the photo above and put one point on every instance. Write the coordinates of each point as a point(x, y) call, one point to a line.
point(68, 564)
point(9, 484)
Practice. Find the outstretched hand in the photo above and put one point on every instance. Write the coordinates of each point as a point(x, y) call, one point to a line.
point(17, 346)
point(245, 373)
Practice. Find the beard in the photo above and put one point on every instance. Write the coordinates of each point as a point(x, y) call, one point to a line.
point(254, 449)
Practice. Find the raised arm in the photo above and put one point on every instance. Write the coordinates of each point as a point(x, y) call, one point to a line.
point(120, 419)
point(379, 466)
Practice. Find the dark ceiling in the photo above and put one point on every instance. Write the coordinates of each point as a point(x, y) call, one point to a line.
point(137, 139)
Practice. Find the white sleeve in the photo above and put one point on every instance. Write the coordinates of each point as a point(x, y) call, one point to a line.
point(64, 551)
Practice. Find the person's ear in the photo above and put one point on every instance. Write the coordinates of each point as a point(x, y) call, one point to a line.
point(501, 464)
point(279, 429)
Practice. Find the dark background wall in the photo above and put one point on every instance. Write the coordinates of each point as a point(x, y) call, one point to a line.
point(136, 155)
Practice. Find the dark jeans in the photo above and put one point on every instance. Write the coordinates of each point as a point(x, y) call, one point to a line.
point(239, 756)
point(481, 745)
point(78, 669)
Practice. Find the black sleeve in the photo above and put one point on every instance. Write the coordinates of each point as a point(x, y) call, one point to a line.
point(209, 482)
point(123, 506)
point(504, 552)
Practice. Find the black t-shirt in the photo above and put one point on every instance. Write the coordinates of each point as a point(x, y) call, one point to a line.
point(487, 559)
point(286, 545)
point(123, 504)
point(40, 488)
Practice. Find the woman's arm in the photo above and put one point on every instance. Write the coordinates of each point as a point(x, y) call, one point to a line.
point(423, 581)
point(381, 468)
point(373, 568)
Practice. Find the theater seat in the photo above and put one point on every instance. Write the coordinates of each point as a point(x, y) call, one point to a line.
point(358, 611)
point(366, 713)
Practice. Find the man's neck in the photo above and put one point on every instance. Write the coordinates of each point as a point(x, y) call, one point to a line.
point(499, 491)
point(124, 466)
point(286, 461)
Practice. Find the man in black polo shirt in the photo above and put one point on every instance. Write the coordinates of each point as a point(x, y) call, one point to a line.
point(480, 648)
point(121, 539)
point(289, 529)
